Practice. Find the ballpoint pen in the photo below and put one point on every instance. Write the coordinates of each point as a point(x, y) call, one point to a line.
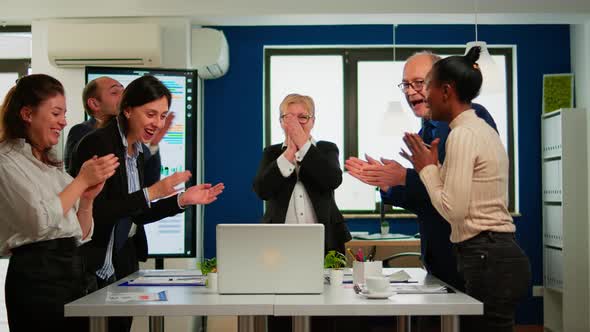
point(351, 254)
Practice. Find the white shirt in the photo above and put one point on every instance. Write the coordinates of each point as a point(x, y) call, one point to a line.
point(29, 201)
point(300, 209)
point(470, 189)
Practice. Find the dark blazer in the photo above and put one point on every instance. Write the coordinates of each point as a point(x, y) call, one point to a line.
point(153, 163)
point(320, 174)
point(435, 232)
point(114, 202)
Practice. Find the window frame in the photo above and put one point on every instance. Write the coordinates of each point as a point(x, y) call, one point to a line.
point(352, 56)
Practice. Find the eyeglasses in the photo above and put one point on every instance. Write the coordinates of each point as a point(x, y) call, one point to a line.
point(302, 118)
point(417, 85)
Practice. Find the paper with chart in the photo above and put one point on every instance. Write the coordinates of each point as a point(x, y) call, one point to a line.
point(136, 297)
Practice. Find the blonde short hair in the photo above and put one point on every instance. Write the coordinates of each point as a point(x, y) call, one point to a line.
point(295, 98)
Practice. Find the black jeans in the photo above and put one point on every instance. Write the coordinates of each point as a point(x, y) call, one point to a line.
point(41, 278)
point(497, 273)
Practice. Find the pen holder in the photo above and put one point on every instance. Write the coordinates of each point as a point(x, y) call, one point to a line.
point(211, 282)
point(362, 270)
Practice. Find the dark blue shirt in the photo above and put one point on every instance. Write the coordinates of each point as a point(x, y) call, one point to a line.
point(436, 247)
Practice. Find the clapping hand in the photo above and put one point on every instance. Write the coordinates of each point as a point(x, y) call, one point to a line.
point(294, 130)
point(97, 170)
point(201, 194)
point(93, 191)
point(167, 186)
point(421, 156)
point(384, 174)
point(291, 150)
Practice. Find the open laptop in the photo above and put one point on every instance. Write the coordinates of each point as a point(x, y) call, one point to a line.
point(270, 258)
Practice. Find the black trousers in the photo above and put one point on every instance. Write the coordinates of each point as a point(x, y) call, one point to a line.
point(42, 277)
point(497, 273)
point(125, 263)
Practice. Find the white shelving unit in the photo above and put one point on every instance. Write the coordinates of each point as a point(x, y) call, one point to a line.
point(565, 221)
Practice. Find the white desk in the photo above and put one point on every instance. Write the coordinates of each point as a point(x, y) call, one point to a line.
point(344, 302)
point(182, 301)
point(341, 301)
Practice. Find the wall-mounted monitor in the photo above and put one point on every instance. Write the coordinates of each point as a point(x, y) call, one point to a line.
point(173, 236)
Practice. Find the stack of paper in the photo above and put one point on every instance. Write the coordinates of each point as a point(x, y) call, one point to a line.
point(399, 276)
point(147, 280)
point(379, 236)
point(419, 289)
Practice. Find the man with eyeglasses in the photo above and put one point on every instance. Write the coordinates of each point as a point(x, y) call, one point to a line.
point(403, 188)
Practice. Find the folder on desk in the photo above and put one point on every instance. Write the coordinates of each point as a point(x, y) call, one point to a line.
point(419, 289)
point(379, 236)
point(164, 280)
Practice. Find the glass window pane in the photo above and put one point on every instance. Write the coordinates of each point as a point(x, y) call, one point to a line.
point(383, 113)
point(321, 78)
point(495, 103)
point(7, 81)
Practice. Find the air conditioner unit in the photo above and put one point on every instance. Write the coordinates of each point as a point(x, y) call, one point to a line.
point(104, 44)
point(209, 53)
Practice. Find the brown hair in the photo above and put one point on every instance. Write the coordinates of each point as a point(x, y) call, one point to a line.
point(30, 91)
point(90, 91)
point(141, 91)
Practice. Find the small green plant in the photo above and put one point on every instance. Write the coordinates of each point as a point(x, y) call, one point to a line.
point(208, 266)
point(385, 223)
point(334, 260)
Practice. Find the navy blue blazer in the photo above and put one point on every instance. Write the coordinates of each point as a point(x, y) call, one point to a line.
point(436, 248)
point(114, 202)
point(152, 163)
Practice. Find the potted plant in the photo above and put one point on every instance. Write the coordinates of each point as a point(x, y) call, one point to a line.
point(384, 227)
point(335, 261)
point(209, 268)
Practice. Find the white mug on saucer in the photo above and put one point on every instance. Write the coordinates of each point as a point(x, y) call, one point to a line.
point(377, 284)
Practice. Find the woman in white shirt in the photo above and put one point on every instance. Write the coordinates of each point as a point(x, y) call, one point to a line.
point(470, 191)
point(46, 214)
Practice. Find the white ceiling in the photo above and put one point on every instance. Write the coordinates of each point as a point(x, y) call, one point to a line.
point(281, 12)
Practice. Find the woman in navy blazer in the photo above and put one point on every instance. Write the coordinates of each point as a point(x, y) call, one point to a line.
point(125, 205)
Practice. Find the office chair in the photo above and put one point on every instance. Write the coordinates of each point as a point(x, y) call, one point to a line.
point(387, 262)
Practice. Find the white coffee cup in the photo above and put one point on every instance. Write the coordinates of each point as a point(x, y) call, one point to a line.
point(362, 270)
point(377, 284)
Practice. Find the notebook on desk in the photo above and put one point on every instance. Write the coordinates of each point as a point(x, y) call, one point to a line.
point(270, 258)
point(379, 236)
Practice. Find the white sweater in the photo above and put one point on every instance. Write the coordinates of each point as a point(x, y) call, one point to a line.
point(470, 190)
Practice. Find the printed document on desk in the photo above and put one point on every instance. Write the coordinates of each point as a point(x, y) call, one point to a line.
point(136, 297)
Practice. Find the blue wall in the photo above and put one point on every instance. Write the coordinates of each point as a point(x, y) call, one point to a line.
point(233, 116)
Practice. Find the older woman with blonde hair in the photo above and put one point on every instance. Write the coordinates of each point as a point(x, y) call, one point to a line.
point(297, 179)
point(298, 176)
